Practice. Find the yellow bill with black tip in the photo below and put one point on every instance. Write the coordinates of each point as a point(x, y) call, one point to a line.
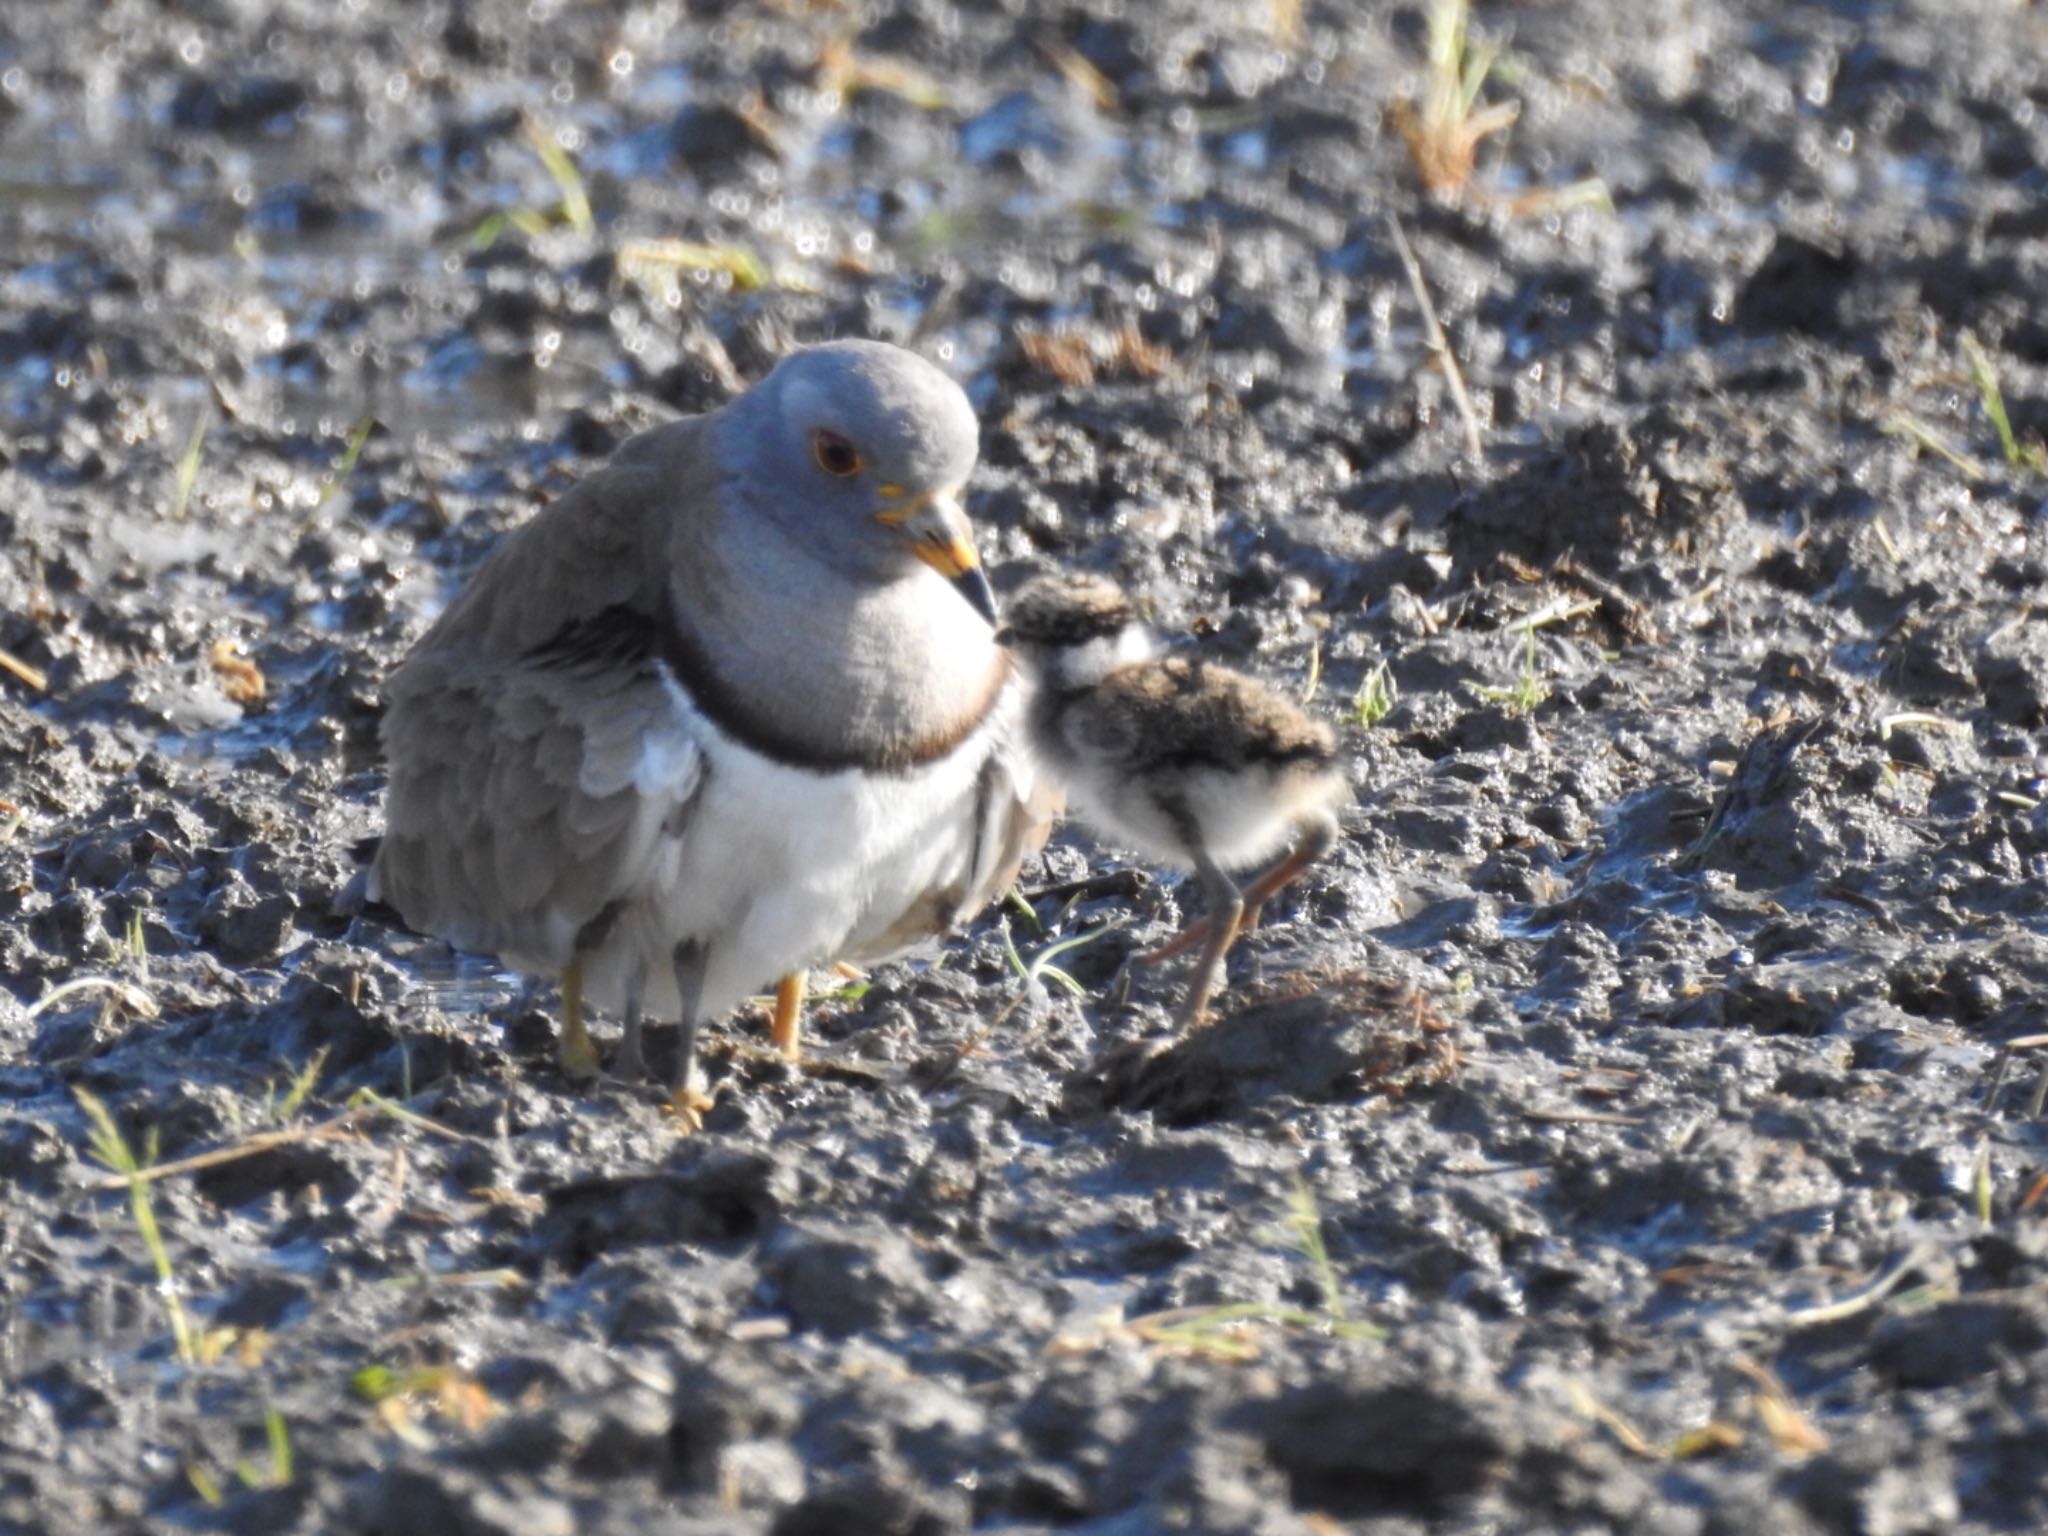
point(939, 534)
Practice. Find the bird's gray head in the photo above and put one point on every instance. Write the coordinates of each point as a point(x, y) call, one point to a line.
point(1074, 629)
point(861, 450)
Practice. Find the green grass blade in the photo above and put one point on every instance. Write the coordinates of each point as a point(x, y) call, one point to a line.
point(280, 1437)
point(111, 1148)
point(568, 180)
point(347, 463)
point(188, 466)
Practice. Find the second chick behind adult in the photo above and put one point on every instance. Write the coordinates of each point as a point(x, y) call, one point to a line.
point(1190, 763)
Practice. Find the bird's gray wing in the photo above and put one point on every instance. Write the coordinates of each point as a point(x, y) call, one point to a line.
point(538, 756)
point(525, 802)
point(603, 544)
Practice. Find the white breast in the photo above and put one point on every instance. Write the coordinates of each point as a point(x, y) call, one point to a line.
point(1240, 819)
point(776, 869)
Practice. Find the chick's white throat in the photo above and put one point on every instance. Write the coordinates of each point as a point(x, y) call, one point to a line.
point(1066, 668)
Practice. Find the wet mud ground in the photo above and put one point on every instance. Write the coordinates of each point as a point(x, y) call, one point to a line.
point(1635, 1125)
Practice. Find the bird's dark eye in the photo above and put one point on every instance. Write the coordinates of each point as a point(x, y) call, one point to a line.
point(835, 455)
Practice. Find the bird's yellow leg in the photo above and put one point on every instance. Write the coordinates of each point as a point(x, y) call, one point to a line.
point(576, 1054)
point(786, 1027)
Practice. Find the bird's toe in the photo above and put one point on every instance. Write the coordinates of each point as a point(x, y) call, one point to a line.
point(578, 1058)
point(688, 1105)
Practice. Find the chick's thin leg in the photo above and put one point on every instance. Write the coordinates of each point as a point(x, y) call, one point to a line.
point(576, 1054)
point(786, 1027)
point(1315, 838)
point(1224, 909)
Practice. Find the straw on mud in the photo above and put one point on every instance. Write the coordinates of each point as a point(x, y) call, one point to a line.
point(1631, 615)
point(1861, 1301)
point(1073, 64)
point(746, 270)
point(1711, 590)
point(1219, 1332)
point(851, 74)
point(1714, 1435)
point(1889, 723)
point(493, 1279)
point(451, 1391)
point(1284, 24)
point(2022, 617)
point(1438, 343)
point(33, 676)
point(365, 1106)
point(1899, 424)
point(1557, 611)
point(133, 998)
point(240, 678)
point(386, 1210)
point(1579, 1117)
point(1790, 1429)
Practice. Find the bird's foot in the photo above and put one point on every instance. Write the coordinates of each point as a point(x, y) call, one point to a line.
point(688, 1104)
point(577, 1056)
point(689, 1096)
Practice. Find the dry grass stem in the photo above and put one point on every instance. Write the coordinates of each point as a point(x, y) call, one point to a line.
point(1439, 345)
point(33, 676)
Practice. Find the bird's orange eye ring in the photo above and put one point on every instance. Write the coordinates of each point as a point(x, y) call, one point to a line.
point(835, 455)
